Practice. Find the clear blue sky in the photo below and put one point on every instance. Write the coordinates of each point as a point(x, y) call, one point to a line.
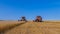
point(13, 9)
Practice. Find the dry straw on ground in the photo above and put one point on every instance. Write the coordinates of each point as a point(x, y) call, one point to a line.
point(30, 27)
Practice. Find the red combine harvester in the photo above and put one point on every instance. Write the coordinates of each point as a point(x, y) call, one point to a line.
point(38, 19)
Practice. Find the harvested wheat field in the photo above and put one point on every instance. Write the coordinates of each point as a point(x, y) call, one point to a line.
point(15, 27)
